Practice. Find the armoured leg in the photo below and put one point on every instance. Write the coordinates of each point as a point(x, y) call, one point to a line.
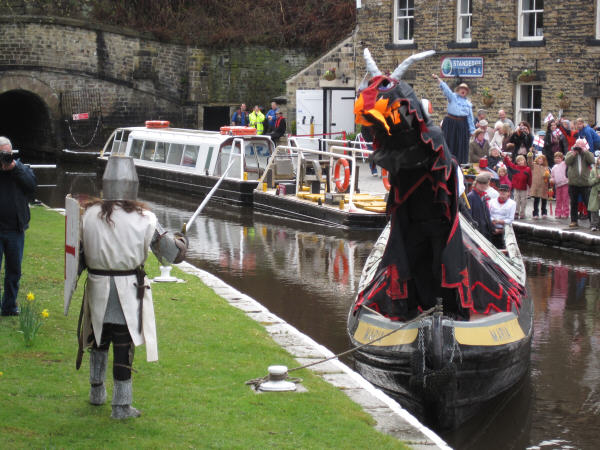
point(121, 402)
point(98, 362)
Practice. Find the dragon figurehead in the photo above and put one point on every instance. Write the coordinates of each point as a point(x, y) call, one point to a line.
point(404, 135)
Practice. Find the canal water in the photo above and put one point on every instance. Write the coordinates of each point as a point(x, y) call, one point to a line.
point(309, 276)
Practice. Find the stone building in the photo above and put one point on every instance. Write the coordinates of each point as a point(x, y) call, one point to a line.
point(533, 57)
point(68, 83)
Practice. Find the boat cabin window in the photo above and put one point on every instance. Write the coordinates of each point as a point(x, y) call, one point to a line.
point(223, 160)
point(175, 153)
point(149, 149)
point(160, 154)
point(120, 142)
point(190, 155)
point(136, 148)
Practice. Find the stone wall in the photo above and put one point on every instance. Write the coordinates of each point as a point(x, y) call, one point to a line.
point(139, 78)
point(342, 57)
point(567, 60)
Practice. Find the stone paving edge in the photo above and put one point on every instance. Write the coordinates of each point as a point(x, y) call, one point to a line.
point(349, 384)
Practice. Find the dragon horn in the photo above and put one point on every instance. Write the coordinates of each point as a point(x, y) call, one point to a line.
point(370, 62)
point(404, 65)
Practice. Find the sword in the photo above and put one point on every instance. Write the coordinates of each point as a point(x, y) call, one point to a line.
point(187, 225)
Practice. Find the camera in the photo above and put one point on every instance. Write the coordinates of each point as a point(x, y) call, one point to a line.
point(6, 158)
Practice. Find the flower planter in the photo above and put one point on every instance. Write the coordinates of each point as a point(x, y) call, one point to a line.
point(526, 78)
point(564, 103)
point(488, 101)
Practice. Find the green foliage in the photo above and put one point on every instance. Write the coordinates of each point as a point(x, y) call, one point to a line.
point(313, 24)
point(31, 319)
point(195, 396)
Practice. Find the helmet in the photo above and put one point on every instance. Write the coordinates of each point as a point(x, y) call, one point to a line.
point(120, 180)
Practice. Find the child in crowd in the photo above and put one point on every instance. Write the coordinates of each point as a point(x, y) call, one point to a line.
point(558, 179)
point(494, 158)
point(521, 182)
point(594, 203)
point(540, 174)
point(503, 177)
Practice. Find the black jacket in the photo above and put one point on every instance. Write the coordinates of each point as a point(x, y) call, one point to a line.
point(17, 188)
point(520, 139)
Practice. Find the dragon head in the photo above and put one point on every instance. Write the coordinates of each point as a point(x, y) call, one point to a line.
point(400, 125)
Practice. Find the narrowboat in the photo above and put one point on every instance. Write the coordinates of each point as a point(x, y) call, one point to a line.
point(444, 368)
point(320, 185)
point(442, 320)
point(192, 161)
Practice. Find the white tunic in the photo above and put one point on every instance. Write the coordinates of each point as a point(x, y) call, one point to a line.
point(122, 246)
point(503, 211)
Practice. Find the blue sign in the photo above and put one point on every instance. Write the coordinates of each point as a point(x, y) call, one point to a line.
point(462, 67)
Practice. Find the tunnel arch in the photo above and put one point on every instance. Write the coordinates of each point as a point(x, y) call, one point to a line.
point(28, 115)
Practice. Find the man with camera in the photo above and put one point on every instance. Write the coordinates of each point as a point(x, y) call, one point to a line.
point(17, 186)
point(579, 162)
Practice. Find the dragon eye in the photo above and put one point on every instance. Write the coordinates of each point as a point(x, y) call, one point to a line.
point(386, 84)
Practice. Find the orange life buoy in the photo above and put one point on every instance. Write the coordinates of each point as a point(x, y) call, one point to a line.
point(340, 263)
point(340, 184)
point(157, 123)
point(385, 179)
point(237, 130)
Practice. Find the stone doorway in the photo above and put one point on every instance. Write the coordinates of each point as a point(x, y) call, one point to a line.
point(215, 117)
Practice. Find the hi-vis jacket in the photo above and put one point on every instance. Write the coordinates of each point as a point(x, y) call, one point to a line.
point(119, 247)
point(257, 120)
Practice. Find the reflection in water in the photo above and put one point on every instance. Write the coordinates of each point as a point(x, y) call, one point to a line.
point(309, 276)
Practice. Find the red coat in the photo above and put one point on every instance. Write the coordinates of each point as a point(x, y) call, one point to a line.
point(522, 178)
point(569, 135)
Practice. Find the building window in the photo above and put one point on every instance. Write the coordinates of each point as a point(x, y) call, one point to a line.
point(463, 25)
point(529, 105)
point(404, 20)
point(531, 20)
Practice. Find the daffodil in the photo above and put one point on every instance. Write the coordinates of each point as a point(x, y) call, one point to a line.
point(45, 313)
point(1, 373)
point(30, 297)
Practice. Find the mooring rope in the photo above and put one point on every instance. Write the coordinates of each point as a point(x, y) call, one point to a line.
point(258, 381)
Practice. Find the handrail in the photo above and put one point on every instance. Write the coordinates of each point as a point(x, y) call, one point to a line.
point(300, 151)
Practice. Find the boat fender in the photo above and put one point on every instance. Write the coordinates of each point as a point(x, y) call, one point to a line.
point(341, 184)
point(385, 177)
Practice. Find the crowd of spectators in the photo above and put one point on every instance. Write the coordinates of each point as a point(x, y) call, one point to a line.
point(272, 124)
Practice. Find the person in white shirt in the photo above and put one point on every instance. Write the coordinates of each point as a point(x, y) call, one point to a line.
point(502, 213)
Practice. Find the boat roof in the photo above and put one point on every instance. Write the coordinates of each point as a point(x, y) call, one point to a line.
point(185, 132)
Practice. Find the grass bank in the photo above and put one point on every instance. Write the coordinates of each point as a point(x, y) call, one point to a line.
point(194, 396)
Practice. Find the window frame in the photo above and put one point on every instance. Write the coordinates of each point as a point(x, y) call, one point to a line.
point(521, 22)
point(396, 20)
point(519, 110)
point(597, 24)
point(460, 16)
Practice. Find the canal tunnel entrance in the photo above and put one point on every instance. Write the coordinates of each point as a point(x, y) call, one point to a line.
point(25, 120)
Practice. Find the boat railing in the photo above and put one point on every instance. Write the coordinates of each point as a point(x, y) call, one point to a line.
point(334, 152)
point(324, 143)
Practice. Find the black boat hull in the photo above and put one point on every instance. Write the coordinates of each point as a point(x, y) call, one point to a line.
point(466, 376)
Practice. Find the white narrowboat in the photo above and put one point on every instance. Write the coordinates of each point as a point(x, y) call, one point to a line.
point(192, 161)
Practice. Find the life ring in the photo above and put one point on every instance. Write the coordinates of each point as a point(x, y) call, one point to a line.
point(340, 262)
point(385, 179)
point(157, 123)
point(339, 184)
